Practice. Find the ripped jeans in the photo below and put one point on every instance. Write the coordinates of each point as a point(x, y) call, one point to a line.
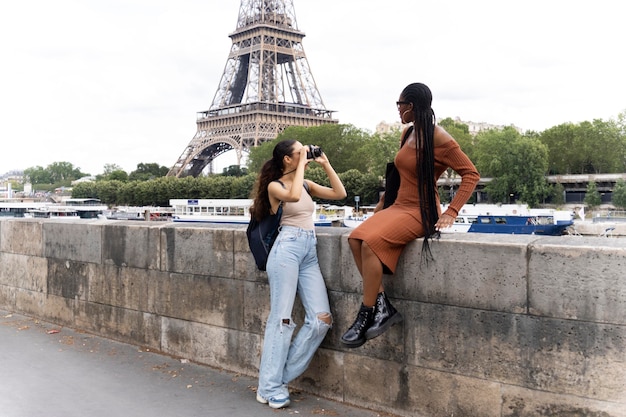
point(292, 266)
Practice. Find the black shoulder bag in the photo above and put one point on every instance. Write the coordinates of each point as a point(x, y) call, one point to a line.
point(262, 235)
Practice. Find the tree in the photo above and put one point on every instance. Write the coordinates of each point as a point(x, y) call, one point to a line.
point(64, 172)
point(592, 196)
point(235, 171)
point(517, 165)
point(118, 175)
point(619, 194)
point(109, 168)
point(59, 173)
point(557, 194)
point(586, 148)
point(38, 175)
point(148, 171)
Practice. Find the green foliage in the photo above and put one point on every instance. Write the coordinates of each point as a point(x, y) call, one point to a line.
point(517, 164)
point(586, 148)
point(557, 194)
point(118, 175)
point(148, 171)
point(235, 171)
point(592, 195)
point(619, 194)
point(57, 173)
point(346, 147)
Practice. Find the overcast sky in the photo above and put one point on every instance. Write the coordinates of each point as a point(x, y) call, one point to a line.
point(93, 82)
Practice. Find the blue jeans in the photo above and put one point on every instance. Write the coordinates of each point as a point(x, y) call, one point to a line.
point(292, 267)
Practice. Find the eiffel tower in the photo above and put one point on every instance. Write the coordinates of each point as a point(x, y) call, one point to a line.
point(266, 87)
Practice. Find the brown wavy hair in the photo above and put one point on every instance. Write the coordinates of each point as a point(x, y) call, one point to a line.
point(271, 171)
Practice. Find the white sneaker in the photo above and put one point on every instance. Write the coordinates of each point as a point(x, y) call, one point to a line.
point(274, 402)
point(279, 402)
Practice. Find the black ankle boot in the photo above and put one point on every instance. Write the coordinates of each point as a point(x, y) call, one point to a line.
point(355, 336)
point(385, 316)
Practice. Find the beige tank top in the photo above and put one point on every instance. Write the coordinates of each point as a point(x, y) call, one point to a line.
point(299, 213)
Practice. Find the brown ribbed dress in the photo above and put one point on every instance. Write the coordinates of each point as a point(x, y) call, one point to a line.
point(388, 231)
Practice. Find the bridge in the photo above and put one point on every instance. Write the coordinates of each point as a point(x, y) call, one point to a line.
point(575, 186)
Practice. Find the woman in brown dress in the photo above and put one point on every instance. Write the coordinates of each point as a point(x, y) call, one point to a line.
point(427, 150)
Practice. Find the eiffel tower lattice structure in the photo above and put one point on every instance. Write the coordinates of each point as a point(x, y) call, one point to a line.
point(266, 87)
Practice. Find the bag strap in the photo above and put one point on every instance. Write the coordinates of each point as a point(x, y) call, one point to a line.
point(406, 135)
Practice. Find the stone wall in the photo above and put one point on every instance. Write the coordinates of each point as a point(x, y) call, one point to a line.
point(495, 326)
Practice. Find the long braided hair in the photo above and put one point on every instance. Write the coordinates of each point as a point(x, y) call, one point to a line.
point(271, 171)
point(424, 126)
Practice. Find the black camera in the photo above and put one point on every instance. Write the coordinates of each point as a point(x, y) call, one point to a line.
point(313, 152)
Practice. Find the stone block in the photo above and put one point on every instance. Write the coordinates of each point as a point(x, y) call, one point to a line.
point(124, 325)
point(119, 287)
point(244, 266)
point(31, 303)
point(24, 236)
point(521, 402)
point(329, 252)
point(203, 299)
point(577, 358)
point(426, 392)
point(485, 274)
point(81, 242)
point(214, 346)
point(349, 278)
point(58, 310)
point(69, 279)
point(324, 375)
point(23, 271)
point(580, 279)
point(127, 244)
point(256, 307)
point(7, 297)
point(198, 250)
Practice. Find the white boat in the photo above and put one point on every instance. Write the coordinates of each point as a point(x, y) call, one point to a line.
point(140, 213)
point(229, 211)
point(237, 211)
point(54, 212)
point(86, 208)
point(12, 208)
point(354, 219)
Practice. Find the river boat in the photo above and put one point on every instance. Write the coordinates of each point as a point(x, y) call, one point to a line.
point(11, 209)
point(500, 218)
point(237, 211)
point(86, 208)
point(54, 212)
point(140, 213)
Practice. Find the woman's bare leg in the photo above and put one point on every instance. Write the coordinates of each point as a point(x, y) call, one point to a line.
point(372, 273)
point(370, 268)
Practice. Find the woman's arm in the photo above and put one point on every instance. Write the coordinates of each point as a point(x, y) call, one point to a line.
point(336, 191)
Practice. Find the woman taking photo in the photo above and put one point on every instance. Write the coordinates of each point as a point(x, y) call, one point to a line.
point(292, 267)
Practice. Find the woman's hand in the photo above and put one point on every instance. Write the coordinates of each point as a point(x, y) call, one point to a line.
point(445, 221)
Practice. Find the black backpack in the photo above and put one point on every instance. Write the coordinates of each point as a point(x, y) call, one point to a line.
point(262, 234)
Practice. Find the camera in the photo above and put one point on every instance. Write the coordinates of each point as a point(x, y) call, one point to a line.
point(313, 152)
